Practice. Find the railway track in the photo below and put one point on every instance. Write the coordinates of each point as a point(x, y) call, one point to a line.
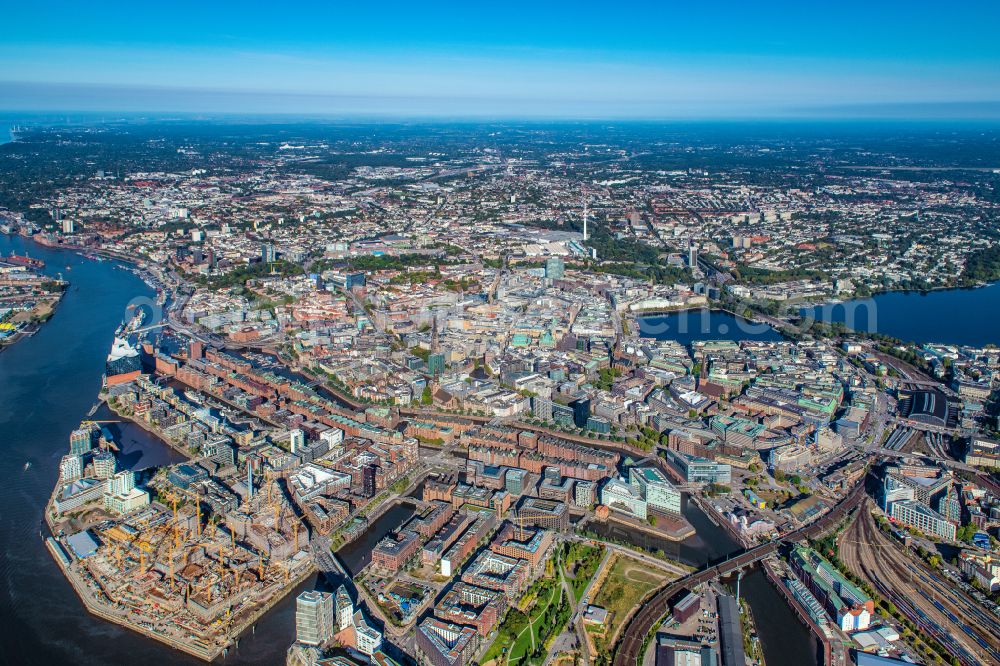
point(921, 595)
point(628, 651)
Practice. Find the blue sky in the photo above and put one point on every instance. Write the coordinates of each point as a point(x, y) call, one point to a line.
point(539, 59)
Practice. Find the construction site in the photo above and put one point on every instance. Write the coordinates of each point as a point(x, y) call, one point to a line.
point(186, 576)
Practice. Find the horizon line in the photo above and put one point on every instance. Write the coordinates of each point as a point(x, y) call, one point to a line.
point(77, 98)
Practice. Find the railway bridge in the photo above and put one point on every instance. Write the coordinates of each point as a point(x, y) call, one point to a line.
point(627, 653)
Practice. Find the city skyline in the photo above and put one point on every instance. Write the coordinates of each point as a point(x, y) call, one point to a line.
point(570, 61)
point(550, 334)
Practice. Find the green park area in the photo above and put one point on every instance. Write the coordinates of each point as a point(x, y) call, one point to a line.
point(580, 562)
point(529, 627)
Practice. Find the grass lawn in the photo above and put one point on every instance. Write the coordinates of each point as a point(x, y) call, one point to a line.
point(519, 628)
point(541, 615)
point(580, 562)
point(533, 634)
point(627, 583)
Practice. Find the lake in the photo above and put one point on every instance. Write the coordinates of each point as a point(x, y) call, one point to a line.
point(688, 326)
point(953, 316)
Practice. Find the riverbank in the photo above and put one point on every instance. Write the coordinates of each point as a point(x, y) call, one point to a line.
point(87, 597)
point(719, 520)
point(28, 302)
point(155, 432)
point(675, 529)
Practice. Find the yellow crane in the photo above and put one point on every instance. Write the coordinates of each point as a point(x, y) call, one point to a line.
point(203, 587)
point(170, 558)
point(172, 497)
point(220, 553)
point(144, 549)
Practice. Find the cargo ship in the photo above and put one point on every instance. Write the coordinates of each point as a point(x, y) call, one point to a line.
point(23, 261)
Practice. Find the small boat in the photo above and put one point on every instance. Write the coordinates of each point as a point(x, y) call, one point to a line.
point(27, 466)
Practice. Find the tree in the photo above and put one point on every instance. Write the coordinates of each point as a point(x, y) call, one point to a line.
point(426, 398)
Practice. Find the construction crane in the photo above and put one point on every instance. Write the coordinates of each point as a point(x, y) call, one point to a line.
point(219, 554)
point(269, 480)
point(203, 587)
point(144, 549)
point(170, 558)
point(172, 497)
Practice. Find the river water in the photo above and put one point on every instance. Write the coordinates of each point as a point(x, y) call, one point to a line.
point(949, 316)
point(48, 383)
point(357, 554)
point(786, 641)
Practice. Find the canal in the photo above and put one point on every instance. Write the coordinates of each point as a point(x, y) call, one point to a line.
point(786, 641)
point(357, 554)
point(48, 383)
